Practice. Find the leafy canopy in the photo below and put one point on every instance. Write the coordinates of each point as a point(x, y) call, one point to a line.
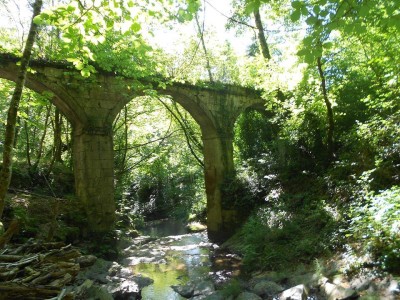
point(84, 26)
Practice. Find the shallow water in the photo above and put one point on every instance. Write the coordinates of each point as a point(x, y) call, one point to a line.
point(170, 259)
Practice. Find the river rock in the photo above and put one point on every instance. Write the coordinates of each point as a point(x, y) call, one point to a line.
point(98, 272)
point(218, 295)
point(267, 288)
point(125, 289)
point(361, 284)
point(86, 260)
point(336, 292)
point(394, 287)
point(134, 260)
point(89, 290)
point(186, 291)
point(204, 288)
point(299, 292)
point(248, 296)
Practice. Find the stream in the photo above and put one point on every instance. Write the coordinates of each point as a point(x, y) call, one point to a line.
point(172, 257)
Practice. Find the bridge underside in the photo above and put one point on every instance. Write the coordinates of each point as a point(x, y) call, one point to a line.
point(91, 105)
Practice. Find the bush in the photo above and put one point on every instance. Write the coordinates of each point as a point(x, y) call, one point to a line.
point(278, 238)
point(375, 223)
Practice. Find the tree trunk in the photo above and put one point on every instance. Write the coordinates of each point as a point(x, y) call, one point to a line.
point(125, 137)
point(329, 111)
point(261, 36)
point(201, 33)
point(41, 143)
point(5, 174)
point(28, 144)
point(57, 135)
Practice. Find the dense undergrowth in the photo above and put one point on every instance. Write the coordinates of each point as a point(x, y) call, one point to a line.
point(304, 209)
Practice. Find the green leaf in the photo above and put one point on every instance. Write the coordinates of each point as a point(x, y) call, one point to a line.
point(304, 10)
point(38, 20)
point(79, 65)
point(309, 58)
point(349, 28)
point(364, 11)
point(193, 6)
point(327, 45)
point(312, 20)
point(359, 28)
point(85, 72)
point(252, 6)
point(323, 13)
point(295, 16)
point(297, 4)
point(302, 52)
point(136, 27)
point(70, 8)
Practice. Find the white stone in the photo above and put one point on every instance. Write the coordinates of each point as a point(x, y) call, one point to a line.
point(298, 292)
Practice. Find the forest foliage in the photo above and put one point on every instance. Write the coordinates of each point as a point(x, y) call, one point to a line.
point(319, 167)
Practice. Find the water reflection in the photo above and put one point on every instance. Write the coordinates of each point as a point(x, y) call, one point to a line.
point(170, 259)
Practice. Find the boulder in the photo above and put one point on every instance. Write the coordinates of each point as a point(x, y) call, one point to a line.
point(217, 295)
point(336, 292)
point(89, 290)
point(248, 296)
point(299, 292)
point(123, 290)
point(98, 272)
point(267, 288)
point(394, 287)
point(86, 260)
point(204, 288)
point(361, 283)
point(186, 291)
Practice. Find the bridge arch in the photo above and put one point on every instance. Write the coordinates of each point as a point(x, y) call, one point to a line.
point(91, 105)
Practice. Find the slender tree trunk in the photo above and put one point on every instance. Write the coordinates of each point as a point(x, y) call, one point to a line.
point(329, 111)
point(41, 143)
point(201, 33)
point(17, 129)
point(57, 135)
point(5, 174)
point(125, 138)
point(261, 36)
point(28, 145)
point(57, 140)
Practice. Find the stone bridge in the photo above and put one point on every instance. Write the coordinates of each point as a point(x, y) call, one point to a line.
point(91, 105)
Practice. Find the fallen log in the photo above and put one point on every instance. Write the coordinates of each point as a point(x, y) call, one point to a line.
point(10, 258)
point(18, 291)
point(8, 275)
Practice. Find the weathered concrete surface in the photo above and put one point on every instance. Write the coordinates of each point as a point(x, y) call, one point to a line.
point(94, 175)
point(91, 105)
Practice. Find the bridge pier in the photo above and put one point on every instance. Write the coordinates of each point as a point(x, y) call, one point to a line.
point(94, 176)
point(218, 166)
